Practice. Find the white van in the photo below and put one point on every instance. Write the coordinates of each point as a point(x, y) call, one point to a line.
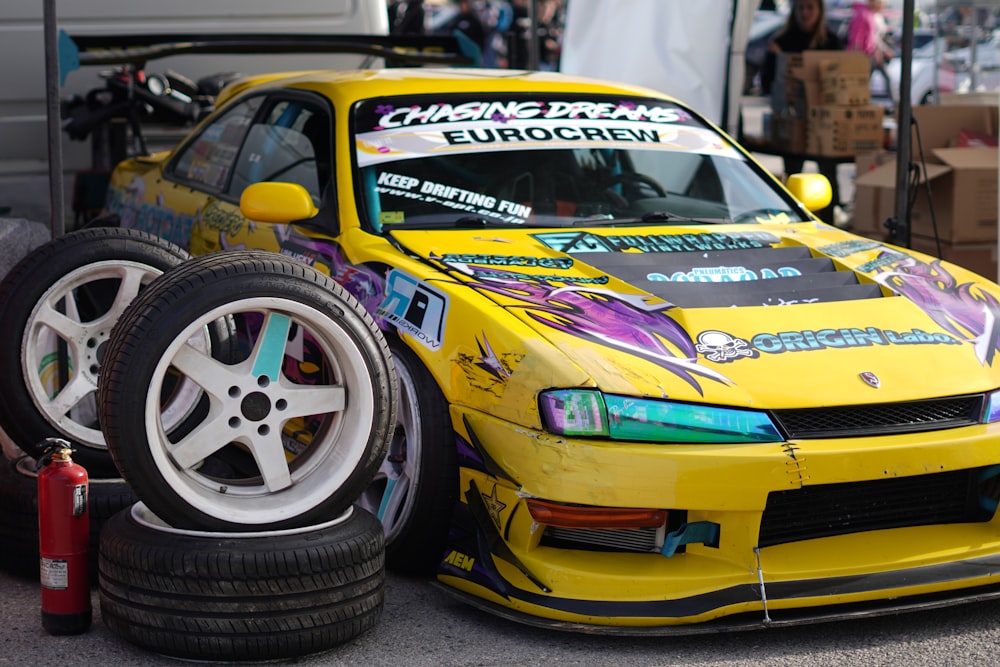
point(23, 128)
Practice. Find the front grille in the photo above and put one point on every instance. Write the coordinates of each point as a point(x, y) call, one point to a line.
point(962, 496)
point(632, 539)
point(880, 419)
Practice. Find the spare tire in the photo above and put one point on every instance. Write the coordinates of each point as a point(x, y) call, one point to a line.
point(240, 596)
point(299, 420)
point(58, 306)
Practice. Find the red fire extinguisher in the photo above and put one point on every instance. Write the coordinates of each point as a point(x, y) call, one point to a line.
point(63, 541)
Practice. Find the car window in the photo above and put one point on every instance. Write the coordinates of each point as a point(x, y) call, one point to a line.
point(551, 161)
point(289, 145)
point(289, 142)
point(209, 158)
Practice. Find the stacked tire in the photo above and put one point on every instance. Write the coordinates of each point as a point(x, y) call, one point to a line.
point(229, 596)
point(246, 544)
point(247, 401)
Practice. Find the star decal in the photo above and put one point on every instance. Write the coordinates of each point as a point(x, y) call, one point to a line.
point(493, 505)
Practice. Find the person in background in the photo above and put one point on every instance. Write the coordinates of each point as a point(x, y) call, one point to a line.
point(406, 17)
point(468, 22)
point(805, 30)
point(868, 32)
point(497, 17)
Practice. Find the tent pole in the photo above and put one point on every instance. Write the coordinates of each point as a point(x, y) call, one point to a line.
point(57, 214)
point(901, 231)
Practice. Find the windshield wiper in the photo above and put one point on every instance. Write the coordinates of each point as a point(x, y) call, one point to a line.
point(464, 222)
point(644, 219)
point(471, 222)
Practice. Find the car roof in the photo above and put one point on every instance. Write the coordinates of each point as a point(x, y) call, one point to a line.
point(350, 85)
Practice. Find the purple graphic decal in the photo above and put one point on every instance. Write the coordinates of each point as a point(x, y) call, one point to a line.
point(489, 371)
point(364, 284)
point(489, 362)
point(962, 309)
point(624, 322)
point(468, 456)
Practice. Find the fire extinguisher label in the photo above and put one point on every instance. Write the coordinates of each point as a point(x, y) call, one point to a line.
point(54, 574)
point(79, 499)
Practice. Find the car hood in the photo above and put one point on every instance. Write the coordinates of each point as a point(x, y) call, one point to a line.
point(772, 316)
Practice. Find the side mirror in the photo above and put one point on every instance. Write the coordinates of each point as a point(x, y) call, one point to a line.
point(813, 190)
point(277, 202)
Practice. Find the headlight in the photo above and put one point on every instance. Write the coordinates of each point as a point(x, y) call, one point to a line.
point(992, 412)
point(586, 412)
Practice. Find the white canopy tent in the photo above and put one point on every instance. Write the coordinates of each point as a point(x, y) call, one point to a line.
point(686, 49)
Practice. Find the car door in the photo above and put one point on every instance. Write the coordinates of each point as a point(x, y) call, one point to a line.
point(282, 136)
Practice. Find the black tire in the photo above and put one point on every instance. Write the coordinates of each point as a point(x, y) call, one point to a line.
point(58, 306)
point(19, 515)
point(279, 447)
point(240, 597)
point(414, 491)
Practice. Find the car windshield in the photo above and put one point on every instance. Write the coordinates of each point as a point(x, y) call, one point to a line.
point(551, 161)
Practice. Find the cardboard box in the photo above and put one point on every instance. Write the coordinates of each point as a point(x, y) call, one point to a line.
point(796, 80)
point(989, 98)
point(979, 258)
point(789, 133)
point(845, 63)
point(957, 190)
point(873, 208)
point(936, 126)
point(836, 131)
point(845, 90)
point(962, 199)
point(796, 99)
point(805, 66)
point(872, 205)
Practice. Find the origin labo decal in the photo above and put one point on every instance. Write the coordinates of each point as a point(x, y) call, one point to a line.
point(584, 242)
point(415, 308)
point(721, 347)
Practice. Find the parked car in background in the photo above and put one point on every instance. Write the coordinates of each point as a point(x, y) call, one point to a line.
point(976, 68)
point(927, 75)
point(936, 68)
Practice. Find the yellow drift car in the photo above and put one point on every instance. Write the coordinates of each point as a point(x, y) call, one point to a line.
point(642, 387)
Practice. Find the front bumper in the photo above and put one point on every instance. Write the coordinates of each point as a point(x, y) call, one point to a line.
point(501, 556)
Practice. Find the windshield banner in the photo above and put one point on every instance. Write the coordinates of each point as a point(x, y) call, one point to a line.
point(414, 131)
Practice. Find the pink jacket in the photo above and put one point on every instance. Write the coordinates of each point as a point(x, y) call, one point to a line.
point(863, 31)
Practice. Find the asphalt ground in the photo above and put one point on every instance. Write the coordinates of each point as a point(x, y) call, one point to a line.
point(422, 625)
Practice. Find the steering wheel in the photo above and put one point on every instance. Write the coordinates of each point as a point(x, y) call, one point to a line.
point(632, 178)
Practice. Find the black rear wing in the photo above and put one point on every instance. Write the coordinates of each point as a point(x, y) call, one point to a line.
point(397, 50)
